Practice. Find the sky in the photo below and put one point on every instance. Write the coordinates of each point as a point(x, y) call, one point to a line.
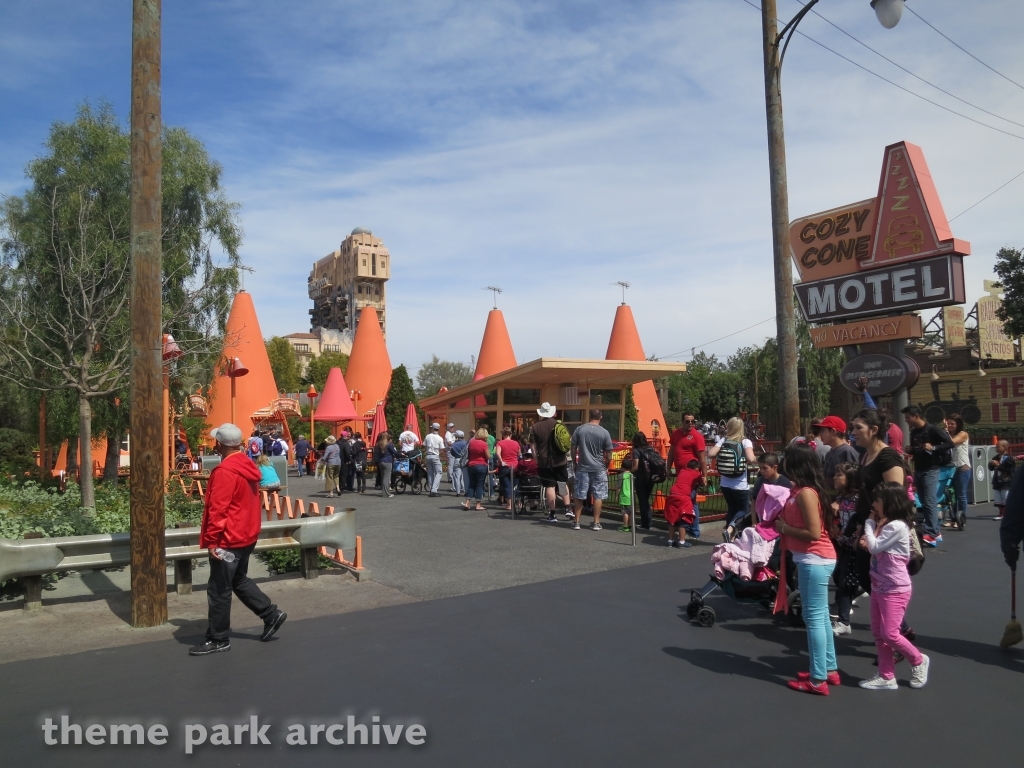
point(549, 148)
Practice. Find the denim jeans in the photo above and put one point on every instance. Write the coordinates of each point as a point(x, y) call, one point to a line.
point(300, 463)
point(694, 529)
point(961, 482)
point(739, 505)
point(226, 578)
point(477, 475)
point(926, 483)
point(434, 471)
point(814, 601)
point(505, 478)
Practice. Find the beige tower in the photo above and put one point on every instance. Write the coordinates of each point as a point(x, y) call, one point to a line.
point(342, 283)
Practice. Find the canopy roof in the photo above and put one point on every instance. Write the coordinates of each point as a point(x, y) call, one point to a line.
point(561, 370)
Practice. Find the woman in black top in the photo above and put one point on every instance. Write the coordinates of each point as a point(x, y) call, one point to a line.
point(359, 458)
point(642, 478)
point(879, 463)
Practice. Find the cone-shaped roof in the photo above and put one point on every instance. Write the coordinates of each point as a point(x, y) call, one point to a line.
point(496, 354)
point(369, 366)
point(335, 405)
point(625, 344)
point(255, 390)
point(411, 417)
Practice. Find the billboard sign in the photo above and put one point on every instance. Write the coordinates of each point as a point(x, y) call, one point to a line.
point(884, 373)
point(933, 282)
point(867, 331)
point(953, 327)
point(833, 242)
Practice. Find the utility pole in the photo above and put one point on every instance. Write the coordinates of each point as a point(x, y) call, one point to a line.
point(148, 563)
point(789, 403)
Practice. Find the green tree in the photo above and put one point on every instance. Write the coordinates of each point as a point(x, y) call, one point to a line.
point(283, 364)
point(399, 395)
point(441, 373)
point(320, 366)
point(1009, 268)
point(64, 286)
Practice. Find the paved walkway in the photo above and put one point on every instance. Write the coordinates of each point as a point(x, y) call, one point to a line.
point(600, 668)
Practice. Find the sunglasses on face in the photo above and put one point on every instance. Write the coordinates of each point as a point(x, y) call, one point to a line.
point(689, 421)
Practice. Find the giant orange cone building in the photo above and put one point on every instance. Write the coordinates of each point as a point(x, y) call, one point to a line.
point(624, 344)
point(496, 354)
point(255, 390)
point(369, 366)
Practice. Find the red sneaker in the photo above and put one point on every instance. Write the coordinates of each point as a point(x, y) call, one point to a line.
point(832, 677)
point(821, 689)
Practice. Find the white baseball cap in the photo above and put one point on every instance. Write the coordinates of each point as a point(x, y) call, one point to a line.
point(227, 434)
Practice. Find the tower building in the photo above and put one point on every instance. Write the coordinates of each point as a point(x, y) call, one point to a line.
point(345, 281)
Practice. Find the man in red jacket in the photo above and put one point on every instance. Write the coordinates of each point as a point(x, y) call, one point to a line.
point(231, 525)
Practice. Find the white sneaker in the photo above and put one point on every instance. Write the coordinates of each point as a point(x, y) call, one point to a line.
point(879, 683)
point(570, 515)
point(919, 674)
point(595, 527)
point(671, 542)
point(839, 628)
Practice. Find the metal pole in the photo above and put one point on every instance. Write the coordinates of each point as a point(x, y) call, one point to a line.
point(233, 401)
point(789, 403)
point(148, 564)
point(633, 511)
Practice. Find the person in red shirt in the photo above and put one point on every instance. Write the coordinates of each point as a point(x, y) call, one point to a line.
point(507, 452)
point(231, 525)
point(679, 505)
point(686, 445)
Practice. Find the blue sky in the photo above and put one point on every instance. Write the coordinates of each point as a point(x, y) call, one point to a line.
point(548, 148)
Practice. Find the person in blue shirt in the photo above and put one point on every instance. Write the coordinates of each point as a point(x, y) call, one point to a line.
point(269, 481)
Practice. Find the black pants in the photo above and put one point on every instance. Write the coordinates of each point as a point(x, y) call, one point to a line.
point(361, 480)
point(349, 473)
point(643, 487)
point(226, 578)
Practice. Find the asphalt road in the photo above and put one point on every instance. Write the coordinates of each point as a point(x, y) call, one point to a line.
point(594, 669)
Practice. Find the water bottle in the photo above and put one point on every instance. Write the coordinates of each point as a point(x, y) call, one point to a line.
point(223, 554)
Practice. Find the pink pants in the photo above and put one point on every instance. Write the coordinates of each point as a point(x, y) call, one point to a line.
point(886, 616)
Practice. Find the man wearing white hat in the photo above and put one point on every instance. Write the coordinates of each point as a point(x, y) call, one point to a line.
point(551, 461)
point(449, 438)
point(231, 525)
point(434, 445)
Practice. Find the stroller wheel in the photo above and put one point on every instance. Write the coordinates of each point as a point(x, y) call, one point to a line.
point(706, 617)
point(417, 486)
point(796, 613)
point(399, 485)
point(693, 607)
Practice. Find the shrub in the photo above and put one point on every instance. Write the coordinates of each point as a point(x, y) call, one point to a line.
point(287, 560)
point(16, 456)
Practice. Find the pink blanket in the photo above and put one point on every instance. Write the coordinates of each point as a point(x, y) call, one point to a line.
point(743, 556)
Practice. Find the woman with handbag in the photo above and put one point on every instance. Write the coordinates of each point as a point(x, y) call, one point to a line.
point(359, 450)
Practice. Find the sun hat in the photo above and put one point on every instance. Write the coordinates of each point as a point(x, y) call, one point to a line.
point(331, 440)
point(546, 410)
point(227, 434)
point(833, 422)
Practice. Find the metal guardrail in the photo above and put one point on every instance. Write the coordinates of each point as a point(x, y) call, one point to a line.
point(31, 558)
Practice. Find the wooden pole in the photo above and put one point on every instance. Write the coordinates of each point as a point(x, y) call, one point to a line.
point(785, 319)
point(148, 564)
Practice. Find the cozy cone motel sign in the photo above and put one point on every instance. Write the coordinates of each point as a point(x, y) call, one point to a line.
point(880, 257)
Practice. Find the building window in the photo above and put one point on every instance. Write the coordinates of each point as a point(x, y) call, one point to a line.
point(522, 397)
point(377, 291)
point(373, 264)
point(382, 262)
point(302, 347)
point(364, 262)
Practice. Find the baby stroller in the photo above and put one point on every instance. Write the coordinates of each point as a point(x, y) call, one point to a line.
point(409, 473)
point(762, 593)
point(527, 493)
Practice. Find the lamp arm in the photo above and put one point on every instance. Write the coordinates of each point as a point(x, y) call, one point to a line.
point(790, 28)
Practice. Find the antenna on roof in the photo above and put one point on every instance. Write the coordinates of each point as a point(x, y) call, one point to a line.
point(496, 290)
point(624, 285)
point(243, 269)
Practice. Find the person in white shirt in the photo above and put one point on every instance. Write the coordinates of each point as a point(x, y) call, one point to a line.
point(449, 438)
point(407, 441)
point(735, 488)
point(434, 444)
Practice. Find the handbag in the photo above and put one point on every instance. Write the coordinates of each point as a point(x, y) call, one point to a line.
point(916, 562)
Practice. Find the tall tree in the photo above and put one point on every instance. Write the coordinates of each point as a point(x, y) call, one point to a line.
point(399, 395)
point(284, 364)
point(442, 373)
point(320, 365)
point(631, 424)
point(1009, 268)
point(64, 283)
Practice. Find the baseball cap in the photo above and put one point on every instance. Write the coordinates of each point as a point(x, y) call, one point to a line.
point(450, 424)
point(833, 422)
point(227, 434)
point(435, 425)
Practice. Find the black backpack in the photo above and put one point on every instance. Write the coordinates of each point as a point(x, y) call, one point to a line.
point(657, 469)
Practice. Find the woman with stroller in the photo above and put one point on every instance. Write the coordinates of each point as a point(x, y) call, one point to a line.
point(805, 524)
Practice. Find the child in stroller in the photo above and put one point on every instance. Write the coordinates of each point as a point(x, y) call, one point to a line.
point(409, 472)
point(528, 488)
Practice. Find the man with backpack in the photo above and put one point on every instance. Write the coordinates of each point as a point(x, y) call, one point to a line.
point(931, 448)
point(551, 443)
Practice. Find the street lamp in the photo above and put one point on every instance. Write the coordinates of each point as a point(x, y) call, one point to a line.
point(888, 12)
point(312, 395)
point(235, 369)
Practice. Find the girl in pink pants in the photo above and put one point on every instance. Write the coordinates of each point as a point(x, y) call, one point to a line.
point(887, 538)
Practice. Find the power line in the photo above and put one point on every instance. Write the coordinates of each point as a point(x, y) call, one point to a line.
point(708, 343)
point(986, 197)
point(964, 49)
point(897, 85)
point(912, 74)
